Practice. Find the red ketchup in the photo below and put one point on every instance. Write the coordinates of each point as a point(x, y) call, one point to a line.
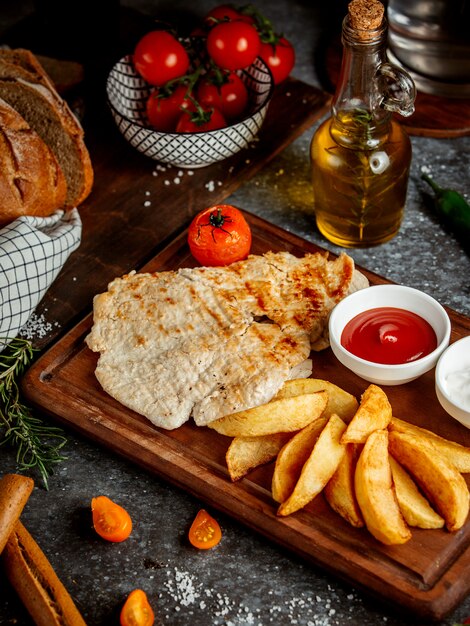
point(389, 335)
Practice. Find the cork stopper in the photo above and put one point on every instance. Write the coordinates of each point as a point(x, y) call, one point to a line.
point(365, 15)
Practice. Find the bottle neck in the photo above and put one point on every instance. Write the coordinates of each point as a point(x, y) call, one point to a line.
point(358, 117)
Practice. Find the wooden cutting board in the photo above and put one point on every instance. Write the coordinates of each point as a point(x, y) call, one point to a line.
point(429, 575)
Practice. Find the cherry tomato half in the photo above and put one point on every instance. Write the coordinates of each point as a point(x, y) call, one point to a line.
point(188, 123)
point(219, 235)
point(163, 112)
point(231, 98)
point(160, 57)
point(279, 57)
point(137, 610)
point(110, 520)
point(205, 532)
point(233, 45)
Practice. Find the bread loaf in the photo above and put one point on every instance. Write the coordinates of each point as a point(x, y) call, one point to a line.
point(35, 581)
point(31, 180)
point(14, 493)
point(26, 87)
point(63, 74)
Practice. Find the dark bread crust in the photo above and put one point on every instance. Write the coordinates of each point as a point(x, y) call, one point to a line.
point(27, 87)
point(37, 584)
point(31, 180)
point(14, 493)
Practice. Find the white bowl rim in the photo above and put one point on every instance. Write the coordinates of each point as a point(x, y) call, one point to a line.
point(128, 57)
point(438, 374)
point(392, 366)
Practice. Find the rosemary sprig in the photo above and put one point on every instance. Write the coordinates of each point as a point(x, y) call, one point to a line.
point(37, 444)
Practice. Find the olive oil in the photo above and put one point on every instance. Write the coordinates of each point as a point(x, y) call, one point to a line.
point(359, 193)
point(360, 156)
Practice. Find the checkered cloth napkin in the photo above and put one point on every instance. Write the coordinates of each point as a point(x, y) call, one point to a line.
point(33, 250)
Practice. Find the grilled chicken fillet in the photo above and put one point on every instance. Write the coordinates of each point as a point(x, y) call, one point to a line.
point(206, 342)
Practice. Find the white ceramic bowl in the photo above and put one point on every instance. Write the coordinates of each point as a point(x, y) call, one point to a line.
point(455, 359)
point(127, 96)
point(389, 296)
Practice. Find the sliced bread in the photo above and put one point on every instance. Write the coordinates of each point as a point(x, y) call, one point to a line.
point(31, 180)
point(28, 89)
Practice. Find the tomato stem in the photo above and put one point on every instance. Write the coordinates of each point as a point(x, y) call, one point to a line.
point(264, 26)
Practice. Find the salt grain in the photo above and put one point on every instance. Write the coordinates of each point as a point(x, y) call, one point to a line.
point(183, 588)
point(37, 327)
point(147, 203)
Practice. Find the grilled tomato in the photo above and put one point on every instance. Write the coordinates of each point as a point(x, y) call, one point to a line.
point(219, 235)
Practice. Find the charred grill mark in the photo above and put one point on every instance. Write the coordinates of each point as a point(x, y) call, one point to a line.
point(315, 300)
point(253, 288)
point(344, 280)
point(263, 319)
point(289, 342)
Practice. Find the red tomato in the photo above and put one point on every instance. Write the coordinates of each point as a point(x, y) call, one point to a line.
point(110, 520)
point(137, 610)
point(231, 98)
point(219, 235)
point(205, 532)
point(159, 57)
point(279, 57)
point(163, 112)
point(233, 45)
point(221, 12)
point(192, 123)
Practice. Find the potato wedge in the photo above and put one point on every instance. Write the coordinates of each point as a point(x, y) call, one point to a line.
point(340, 493)
point(292, 458)
point(284, 415)
point(246, 453)
point(320, 466)
point(375, 493)
point(414, 506)
point(438, 478)
point(340, 401)
point(374, 413)
point(457, 454)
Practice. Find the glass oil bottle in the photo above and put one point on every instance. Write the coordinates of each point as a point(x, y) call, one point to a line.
point(360, 155)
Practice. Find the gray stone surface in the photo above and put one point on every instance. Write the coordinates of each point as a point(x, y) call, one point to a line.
point(247, 579)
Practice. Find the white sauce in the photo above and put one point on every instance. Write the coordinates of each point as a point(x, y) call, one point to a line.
point(458, 387)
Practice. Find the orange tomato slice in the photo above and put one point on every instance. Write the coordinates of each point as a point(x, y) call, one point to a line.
point(205, 532)
point(137, 610)
point(110, 520)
